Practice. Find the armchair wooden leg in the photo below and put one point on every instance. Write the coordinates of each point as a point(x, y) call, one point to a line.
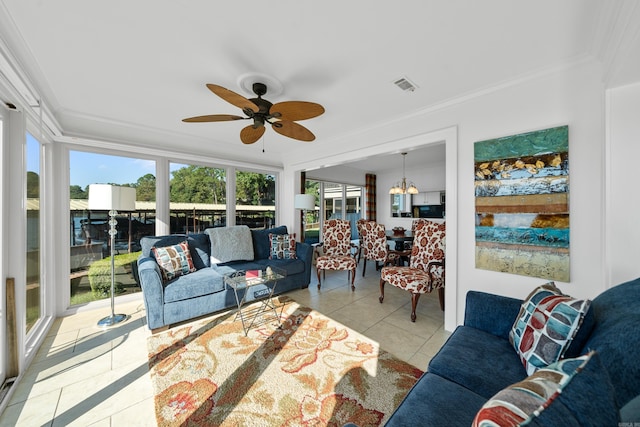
point(381, 298)
point(318, 272)
point(364, 267)
point(414, 303)
point(441, 297)
point(353, 278)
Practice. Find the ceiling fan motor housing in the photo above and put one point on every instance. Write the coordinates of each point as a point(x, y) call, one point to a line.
point(259, 88)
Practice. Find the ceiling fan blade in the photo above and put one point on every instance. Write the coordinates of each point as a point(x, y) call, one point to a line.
point(293, 130)
point(296, 110)
point(213, 118)
point(233, 98)
point(249, 135)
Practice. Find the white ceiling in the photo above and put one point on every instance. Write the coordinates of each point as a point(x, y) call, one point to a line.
point(131, 70)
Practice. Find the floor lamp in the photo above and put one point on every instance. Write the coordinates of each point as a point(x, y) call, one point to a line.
point(112, 198)
point(304, 202)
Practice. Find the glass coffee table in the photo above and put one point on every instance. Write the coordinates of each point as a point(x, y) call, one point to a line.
point(255, 285)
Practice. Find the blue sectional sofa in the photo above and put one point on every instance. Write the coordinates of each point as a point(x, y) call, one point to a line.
point(478, 361)
point(203, 291)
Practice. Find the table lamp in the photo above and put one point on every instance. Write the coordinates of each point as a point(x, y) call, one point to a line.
point(112, 198)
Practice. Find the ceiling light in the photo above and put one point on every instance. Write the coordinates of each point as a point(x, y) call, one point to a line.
point(401, 187)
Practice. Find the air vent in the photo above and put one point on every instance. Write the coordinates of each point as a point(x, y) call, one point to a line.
point(405, 84)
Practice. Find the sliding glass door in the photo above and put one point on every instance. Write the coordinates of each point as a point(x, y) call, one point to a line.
point(342, 201)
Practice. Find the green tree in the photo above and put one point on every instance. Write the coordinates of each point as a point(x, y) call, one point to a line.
point(254, 188)
point(76, 192)
point(146, 188)
point(198, 184)
point(33, 185)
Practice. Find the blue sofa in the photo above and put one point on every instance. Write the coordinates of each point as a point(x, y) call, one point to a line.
point(203, 291)
point(478, 361)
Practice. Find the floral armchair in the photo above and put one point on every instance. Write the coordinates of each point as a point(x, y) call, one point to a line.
point(426, 270)
point(361, 236)
point(375, 246)
point(336, 247)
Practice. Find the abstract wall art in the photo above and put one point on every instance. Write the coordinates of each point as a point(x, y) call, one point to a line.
point(522, 204)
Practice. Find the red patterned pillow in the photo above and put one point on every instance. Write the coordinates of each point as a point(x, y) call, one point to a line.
point(174, 261)
point(521, 402)
point(545, 326)
point(283, 246)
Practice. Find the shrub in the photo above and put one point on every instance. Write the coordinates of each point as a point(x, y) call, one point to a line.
point(100, 273)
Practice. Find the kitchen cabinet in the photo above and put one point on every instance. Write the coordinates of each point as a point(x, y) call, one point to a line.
point(428, 198)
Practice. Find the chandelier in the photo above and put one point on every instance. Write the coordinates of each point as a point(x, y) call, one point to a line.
point(401, 187)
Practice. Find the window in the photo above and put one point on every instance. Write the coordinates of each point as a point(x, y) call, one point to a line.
point(311, 220)
point(90, 275)
point(255, 199)
point(34, 301)
point(197, 197)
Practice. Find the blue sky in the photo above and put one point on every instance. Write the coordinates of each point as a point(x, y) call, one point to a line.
point(91, 168)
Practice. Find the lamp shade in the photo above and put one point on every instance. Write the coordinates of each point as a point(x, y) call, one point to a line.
point(304, 201)
point(111, 198)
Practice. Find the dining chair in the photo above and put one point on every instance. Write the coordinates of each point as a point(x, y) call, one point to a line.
point(360, 228)
point(426, 270)
point(337, 249)
point(376, 247)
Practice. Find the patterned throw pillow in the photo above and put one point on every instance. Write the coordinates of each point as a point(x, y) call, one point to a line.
point(521, 402)
point(283, 246)
point(174, 261)
point(545, 326)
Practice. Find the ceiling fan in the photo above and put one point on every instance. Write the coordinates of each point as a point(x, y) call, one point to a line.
point(282, 116)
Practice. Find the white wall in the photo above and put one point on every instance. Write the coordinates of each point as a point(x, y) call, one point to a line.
point(572, 96)
point(623, 196)
point(339, 174)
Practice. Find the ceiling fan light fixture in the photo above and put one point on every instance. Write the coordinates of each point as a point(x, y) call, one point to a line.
point(282, 116)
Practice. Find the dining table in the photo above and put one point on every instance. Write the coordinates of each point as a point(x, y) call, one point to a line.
point(400, 238)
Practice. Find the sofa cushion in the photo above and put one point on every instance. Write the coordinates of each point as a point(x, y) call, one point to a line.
point(261, 246)
point(199, 246)
point(615, 337)
point(291, 266)
point(545, 326)
point(536, 399)
point(436, 401)
point(468, 357)
point(230, 244)
point(283, 246)
point(174, 260)
point(202, 282)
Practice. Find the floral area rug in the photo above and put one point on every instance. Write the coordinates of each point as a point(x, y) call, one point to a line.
point(310, 371)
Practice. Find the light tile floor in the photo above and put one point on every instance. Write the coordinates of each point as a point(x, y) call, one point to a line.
point(86, 376)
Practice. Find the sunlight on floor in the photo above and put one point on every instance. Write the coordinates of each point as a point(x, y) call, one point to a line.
point(83, 375)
